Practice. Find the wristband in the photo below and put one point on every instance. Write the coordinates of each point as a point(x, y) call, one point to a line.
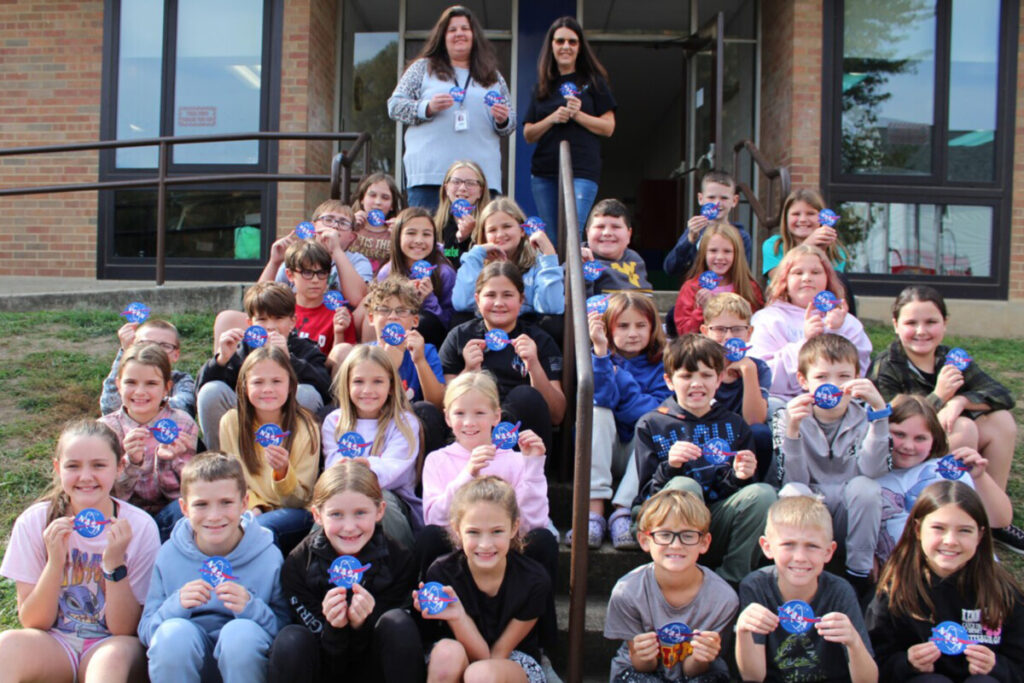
point(879, 414)
point(119, 573)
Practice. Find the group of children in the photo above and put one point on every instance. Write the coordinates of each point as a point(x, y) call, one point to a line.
point(358, 486)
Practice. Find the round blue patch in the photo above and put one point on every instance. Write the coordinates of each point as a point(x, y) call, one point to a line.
point(255, 336)
point(458, 94)
point(393, 334)
point(796, 616)
point(827, 396)
point(493, 97)
point(709, 210)
point(950, 637)
point(598, 303)
point(569, 89)
point(949, 467)
point(958, 358)
point(90, 522)
point(709, 279)
point(216, 570)
point(825, 301)
point(716, 451)
point(461, 208)
point(828, 217)
point(433, 599)
point(674, 633)
point(421, 269)
point(496, 340)
point(376, 218)
point(165, 430)
point(270, 434)
point(346, 571)
point(333, 300)
point(735, 349)
point(532, 225)
point(592, 270)
point(506, 435)
point(305, 230)
point(136, 312)
point(352, 445)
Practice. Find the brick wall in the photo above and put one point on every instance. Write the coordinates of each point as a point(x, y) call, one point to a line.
point(50, 66)
point(1017, 219)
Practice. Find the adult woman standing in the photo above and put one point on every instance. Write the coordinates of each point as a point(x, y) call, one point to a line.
point(572, 101)
point(456, 106)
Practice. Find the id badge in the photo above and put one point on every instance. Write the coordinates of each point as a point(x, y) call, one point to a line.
point(461, 120)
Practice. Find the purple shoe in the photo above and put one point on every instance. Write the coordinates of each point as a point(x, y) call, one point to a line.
point(618, 526)
point(595, 531)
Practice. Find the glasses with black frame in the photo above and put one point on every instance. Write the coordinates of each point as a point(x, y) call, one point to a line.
point(666, 537)
point(310, 274)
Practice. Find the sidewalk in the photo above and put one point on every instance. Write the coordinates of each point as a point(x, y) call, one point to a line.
point(19, 293)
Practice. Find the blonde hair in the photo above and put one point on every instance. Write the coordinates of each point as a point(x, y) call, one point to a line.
point(683, 505)
point(213, 466)
point(779, 289)
point(739, 272)
point(727, 302)
point(57, 498)
point(801, 512)
point(380, 291)
point(347, 475)
point(479, 381)
point(787, 241)
point(335, 206)
point(525, 256)
point(444, 205)
point(395, 409)
point(489, 489)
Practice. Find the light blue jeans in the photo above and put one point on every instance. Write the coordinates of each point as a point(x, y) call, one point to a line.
point(545, 196)
point(181, 650)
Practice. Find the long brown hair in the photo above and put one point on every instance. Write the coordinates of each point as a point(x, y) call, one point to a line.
point(835, 250)
point(906, 406)
point(739, 273)
point(57, 498)
point(397, 202)
point(489, 489)
point(444, 205)
point(588, 67)
point(906, 577)
point(398, 265)
point(483, 61)
point(619, 303)
point(293, 415)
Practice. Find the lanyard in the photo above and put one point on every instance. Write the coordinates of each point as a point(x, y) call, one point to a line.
point(465, 88)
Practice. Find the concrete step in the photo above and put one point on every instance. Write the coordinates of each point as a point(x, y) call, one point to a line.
point(597, 650)
point(605, 566)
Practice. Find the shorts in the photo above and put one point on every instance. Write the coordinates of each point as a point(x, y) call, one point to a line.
point(75, 647)
point(534, 672)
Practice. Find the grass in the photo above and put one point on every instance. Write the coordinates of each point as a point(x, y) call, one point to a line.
point(39, 390)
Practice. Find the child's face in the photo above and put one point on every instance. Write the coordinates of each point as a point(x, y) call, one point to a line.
point(717, 193)
point(349, 519)
point(283, 325)
point(608, 237)
point(920, 327)
point(142, 389)
point(378, 196)
point(720, 255)
point(417, 239)
point(823, 371)
point(368, 388)
point(504, 231)
point(165, 339)
point(800, 553)
point(486, 532)
point(949, 538)
point(333, 220)
point(266, 386)
point(312, 289)
point(694, 389)
point(499, 302)
point(87, 469)
point(471, 418)
point(631, 333)
point(725, 326)
point(806, 278)
point(214, 509)
point(392, 310)
point(676, 556)
point(911, 442)
point(801, 220)
point(464, 184)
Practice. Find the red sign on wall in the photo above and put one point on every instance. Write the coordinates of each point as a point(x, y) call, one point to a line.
point(197, 116)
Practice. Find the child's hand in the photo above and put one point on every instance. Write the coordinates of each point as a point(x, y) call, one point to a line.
point(452, 612)
point(974, 461)
point(587, 254)
point(134, 445)
point(756, 618)
point(980, 659)
point(706, 646)
point(701, 297)
point(473, 353)
point(734, 370)
point(126, 335)
point(464, 228)
point(56, 538)
point(172, 450)
point(814, 323)
point(923, 656)
point(228, 344)
point(530, 444)
point(836, 627)
point(744, 464)
point(275, 338)
point(864, 390)
point(359, 221)
point(424, 288)
point(683, 452)
point(233, 595)
point(479, 458)
point(644, 648)
point(950, 413)
point(335, 607)
point(695, 226)
point(342, 320)
point(194, 593)
point(541, 242)
point(949, 381)
point(499, 112)
point(277, 458)
point(119, 535)
point(526, 349)
point(822, 237)
point(414, 343)
point(280, 246)
point(598, 333)
point(835, 318)
point(335, 240)
point(798, 409)
point(360, 607)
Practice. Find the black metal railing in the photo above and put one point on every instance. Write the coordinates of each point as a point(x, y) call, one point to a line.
point(340, 179)
point(768, 213)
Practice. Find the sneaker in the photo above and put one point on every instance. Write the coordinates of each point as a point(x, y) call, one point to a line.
point(618, 527)
point(1010, 537)
point(595, 531)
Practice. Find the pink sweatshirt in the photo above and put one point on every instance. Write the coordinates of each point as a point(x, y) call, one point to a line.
point(445, 471)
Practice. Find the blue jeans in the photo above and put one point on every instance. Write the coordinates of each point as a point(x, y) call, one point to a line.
point(290, 525)
point(181, 650)
point(545, 196)
point(426, 196)
point(167, 518)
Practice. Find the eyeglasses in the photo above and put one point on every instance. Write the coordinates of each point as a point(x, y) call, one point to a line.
point(400, 312)
point(469, 184)
point(734, 330)
point(571, 41)
point(335, 222)
point(166, 346)
point(310, 274)
point(664, 537)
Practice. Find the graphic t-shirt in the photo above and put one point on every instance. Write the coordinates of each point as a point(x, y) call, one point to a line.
point(317, 325)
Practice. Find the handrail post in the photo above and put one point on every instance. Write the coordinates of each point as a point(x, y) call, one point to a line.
point(336, 175)
point(161, 214)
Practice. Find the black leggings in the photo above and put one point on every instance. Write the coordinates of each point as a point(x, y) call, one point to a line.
point(527, 405)
point(397, 654)
point(432, 329)
point(939, 678)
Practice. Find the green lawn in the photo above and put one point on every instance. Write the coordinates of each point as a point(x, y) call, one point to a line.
point(40, 389)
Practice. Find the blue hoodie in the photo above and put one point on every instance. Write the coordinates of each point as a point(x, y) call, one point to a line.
point(255, 561)
point(629, 387)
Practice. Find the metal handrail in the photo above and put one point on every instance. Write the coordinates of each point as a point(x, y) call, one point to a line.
point(340, 178)
point(769, 221)
point(579, 367)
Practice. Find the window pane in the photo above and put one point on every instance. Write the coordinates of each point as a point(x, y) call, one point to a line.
point(218, 78)
point(637, 16)
point(888, 87)
point(139, 66)
point(212, 224)
point(918, 239)
point(493, 15)
point(973, 87)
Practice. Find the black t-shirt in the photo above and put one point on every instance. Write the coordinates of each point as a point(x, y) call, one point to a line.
point(585, 146)
point(523, 595)
point(453, 250)
point(508, 368)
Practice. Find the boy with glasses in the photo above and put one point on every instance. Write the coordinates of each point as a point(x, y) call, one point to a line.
point(165, 335)
point(307, 266)
point(671, 613)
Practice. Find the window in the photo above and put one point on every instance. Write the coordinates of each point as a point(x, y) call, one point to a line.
point(917, 130)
